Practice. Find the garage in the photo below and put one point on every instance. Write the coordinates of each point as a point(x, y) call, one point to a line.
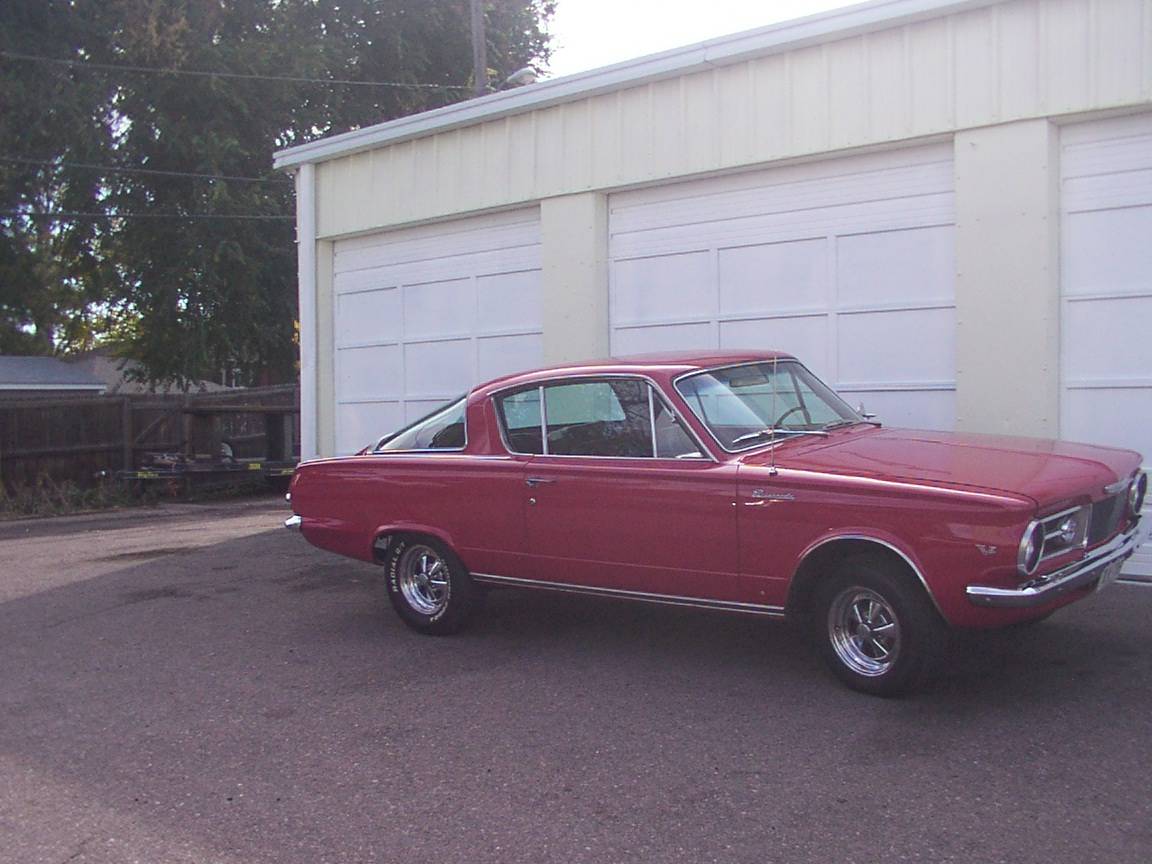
point(941, 206)
point(421, 315)
point(849, 264)
point(1106, 287)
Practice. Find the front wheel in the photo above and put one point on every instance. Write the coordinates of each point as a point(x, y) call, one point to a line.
point(878, 633)
point(429, 587)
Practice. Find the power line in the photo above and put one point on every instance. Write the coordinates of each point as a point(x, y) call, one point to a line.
point(121, 169)
point(203, 73)
point(71, 216)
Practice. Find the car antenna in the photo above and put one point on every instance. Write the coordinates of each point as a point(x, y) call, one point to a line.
point(772, 429)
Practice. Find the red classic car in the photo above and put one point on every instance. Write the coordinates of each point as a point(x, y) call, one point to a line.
point(733, 481)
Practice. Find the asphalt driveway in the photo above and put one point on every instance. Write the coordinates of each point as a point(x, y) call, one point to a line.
point(197, 685)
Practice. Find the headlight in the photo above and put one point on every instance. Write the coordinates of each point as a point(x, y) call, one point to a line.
point(1031, 548)
point(1136, 493)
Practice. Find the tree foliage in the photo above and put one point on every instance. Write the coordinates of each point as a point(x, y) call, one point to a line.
point(194, 297)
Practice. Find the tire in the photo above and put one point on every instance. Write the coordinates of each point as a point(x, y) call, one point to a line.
point(429, 587)
point(877, 631)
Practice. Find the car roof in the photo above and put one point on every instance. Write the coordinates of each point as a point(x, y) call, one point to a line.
point(666, 363)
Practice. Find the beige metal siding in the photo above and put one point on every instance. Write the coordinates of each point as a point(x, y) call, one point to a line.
point(1015, 60)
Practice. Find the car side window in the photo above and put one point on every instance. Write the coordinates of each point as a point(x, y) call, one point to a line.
point(672, 439)
point(613, 417)
point(443, 429)
point(599, 418)
point(520, 415)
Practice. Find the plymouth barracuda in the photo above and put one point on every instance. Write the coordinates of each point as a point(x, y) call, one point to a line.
point(729, 481)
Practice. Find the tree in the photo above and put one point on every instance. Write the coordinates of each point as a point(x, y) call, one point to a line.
point(191, 297)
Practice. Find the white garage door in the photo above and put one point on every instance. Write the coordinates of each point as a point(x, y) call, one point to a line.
point(1106, 278)
point(421, 315)
point(848, 264)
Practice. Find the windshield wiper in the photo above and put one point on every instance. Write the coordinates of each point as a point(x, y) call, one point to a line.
point(842, 424)
point(769, 431)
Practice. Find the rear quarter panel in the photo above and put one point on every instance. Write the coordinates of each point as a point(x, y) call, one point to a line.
point(469, 502)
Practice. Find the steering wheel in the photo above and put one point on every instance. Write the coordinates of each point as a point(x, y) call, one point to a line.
point(787, 414)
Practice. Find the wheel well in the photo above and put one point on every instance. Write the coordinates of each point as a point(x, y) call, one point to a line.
point(386, 538)
point(821, 561)
point(384, 541)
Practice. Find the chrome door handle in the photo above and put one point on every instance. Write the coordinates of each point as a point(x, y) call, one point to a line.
point(538, 481)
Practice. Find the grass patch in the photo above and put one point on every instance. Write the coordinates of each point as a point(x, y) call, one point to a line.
point(50, 497)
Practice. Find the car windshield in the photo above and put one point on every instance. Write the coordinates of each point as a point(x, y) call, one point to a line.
point(747, 406)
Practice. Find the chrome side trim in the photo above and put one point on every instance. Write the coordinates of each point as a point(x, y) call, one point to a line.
point(911, 564)
point(293, 522)
point(619, 593)
point(1081, 574)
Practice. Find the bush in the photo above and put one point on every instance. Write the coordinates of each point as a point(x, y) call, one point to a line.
point(54, 498)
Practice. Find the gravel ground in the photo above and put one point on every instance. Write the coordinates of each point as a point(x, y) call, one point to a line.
point(194, 684)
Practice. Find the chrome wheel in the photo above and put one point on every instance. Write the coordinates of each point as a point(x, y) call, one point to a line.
point(864, 631)
point(423, 578)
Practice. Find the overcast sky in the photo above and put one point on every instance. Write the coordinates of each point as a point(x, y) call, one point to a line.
point(592, 33)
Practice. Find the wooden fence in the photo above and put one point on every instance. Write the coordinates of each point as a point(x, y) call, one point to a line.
point(80, 437)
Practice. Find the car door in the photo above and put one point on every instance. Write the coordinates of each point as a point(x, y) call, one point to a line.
point(620, 496)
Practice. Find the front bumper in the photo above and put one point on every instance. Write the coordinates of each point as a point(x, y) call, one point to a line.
point(1081, 574)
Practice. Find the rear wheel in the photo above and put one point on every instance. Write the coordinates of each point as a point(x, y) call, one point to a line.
point(878, 632)
point(429, 586)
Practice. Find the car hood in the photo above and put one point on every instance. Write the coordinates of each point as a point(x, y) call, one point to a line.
point(1046, 471)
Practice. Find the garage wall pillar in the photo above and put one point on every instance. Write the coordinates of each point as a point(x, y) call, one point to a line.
point(306, 280)
point(574, 229)
point(325, 350)
point(1007, 279)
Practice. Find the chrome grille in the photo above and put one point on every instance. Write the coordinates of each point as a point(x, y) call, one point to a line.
point(1105, 519)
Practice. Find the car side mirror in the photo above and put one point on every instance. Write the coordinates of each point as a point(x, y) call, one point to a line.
point(860, 410)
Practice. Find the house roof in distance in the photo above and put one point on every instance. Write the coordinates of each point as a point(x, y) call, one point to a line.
point(45, 373)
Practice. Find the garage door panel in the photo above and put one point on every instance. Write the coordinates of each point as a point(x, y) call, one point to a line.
point(1106, 283)
point(456, 302)
point(803, 337)
point(783, 227)
point(1124, 189)
point(915, 346)
point(439, 308)
point(510, 301)
point(924, 409)
point(414, 409)
point(672, 337)
point(849, 264)
point(1108, 339)
point(433, 244)
point(442, 367)
point(677, 285)
point(361, 424)
point(912, 266)
point(371, 372)
point(375, 279)
point(368, 316)
point(774, 277)
point(1109, 251)
point(1120, 417)
point(500, 355)
point(785, 190)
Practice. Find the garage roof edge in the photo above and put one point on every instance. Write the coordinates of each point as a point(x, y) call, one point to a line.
point(722, 51)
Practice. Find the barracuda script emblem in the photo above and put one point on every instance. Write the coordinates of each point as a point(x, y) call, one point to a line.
point(765, 495)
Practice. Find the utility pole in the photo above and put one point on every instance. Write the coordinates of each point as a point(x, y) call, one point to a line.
point(479, 50)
